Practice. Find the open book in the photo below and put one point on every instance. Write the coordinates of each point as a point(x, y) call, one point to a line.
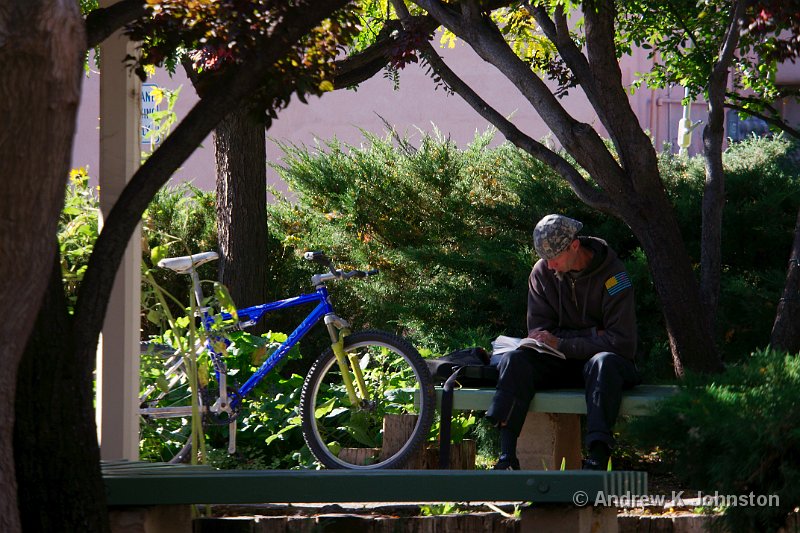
point(503, 344)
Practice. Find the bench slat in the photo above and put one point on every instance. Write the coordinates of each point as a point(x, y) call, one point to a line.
point(637, 401)
point(190, 486)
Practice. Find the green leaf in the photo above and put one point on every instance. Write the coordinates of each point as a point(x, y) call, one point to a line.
point(325, 408)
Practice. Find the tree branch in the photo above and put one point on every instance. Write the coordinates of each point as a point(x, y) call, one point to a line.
point(104, 21)
point(362, 66)
point(557, 31)
point(583, 189)
point(714, 187)
point(230, 90)
point(610, 99)
point(772, 121)
point(578, 139)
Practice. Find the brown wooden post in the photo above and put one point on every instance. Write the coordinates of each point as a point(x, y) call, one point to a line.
point(561, 518)
point(397, 430)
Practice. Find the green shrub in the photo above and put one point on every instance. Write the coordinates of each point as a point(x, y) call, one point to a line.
point(735, 434)
point(762, 193)
point(179, 221)
point(449, 229)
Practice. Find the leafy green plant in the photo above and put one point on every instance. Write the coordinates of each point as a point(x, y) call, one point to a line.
point(462, 426)
point(162, 120)
point(77, 231)
point(439, 509)
point(735, 434)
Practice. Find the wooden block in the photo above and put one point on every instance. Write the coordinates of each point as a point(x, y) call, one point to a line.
point(462, 456)
point(359, 456)
point(561, 518)
point(152, 519)
point(397, 430)
point(548, 438)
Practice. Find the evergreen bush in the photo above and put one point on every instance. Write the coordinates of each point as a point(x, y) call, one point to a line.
point(450, 230)
point(735, 434)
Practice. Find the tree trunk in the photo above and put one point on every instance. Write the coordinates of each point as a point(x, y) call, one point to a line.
point(55, 427)
point(240, 151)
point(630, 189)
point(714, 189)
point(786, 330)
point(42, 43)
point(712, 208)
point(691, 342)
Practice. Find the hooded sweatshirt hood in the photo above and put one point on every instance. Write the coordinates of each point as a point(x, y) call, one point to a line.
point(591, 310)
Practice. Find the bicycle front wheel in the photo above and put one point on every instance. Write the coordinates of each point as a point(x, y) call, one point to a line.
point(393, 412)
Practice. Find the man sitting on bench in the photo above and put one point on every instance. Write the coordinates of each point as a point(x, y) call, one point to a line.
point(580, 301)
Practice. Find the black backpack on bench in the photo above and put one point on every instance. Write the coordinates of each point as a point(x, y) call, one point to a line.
point(472, 365)
point(468, 367)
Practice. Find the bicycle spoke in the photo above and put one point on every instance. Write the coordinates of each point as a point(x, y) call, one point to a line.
point(342, 435)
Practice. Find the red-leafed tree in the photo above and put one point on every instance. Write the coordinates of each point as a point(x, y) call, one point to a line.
point(57, 485)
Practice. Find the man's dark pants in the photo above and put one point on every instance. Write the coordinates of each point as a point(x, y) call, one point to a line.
point(524, 371)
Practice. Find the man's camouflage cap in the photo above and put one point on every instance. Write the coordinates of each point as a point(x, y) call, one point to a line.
point(553, 234)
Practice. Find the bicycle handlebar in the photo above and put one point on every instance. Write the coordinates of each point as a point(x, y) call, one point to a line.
point(321, 259)
point(358, 273)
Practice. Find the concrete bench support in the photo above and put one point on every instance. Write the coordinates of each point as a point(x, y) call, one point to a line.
point(547, 438)
point(151, 519)
point(561, 518)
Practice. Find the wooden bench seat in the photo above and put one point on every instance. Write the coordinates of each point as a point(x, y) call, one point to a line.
point(552, 431)
point(637, 401)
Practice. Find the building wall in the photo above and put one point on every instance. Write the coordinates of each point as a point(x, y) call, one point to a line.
point(416, 106)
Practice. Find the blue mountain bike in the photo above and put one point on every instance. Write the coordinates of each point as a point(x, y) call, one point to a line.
point(359, 387)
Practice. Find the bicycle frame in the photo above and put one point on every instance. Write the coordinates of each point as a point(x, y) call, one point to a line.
point(323, 311)
point(347, 394)
point(250, 315)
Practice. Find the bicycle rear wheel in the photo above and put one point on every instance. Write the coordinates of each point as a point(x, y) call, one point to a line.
point(165, 406)
point(399, 388)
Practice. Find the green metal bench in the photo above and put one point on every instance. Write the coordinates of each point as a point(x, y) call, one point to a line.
point(552, 431)
point(148, 484)
point(159, 495)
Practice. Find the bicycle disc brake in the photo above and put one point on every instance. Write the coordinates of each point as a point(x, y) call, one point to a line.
point(220, 415)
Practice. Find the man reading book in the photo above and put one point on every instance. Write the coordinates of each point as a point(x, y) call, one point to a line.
point(580, 302)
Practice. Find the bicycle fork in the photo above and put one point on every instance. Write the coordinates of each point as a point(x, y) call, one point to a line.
point(349, 366)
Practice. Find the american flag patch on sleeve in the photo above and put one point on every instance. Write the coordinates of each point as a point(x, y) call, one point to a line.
point(618, 283)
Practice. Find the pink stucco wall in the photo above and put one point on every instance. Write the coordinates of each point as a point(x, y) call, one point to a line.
point(413, 107)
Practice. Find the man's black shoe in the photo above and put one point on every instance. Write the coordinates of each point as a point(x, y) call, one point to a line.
point(593, 464)
point(599, 453)
point(507, 463)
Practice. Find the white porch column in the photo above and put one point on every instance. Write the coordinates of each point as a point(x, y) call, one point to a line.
point(118, 351)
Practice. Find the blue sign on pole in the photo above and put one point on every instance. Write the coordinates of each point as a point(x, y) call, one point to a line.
point(149, 106)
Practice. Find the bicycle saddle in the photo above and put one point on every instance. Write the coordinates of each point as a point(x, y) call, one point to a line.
point(186, 263)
